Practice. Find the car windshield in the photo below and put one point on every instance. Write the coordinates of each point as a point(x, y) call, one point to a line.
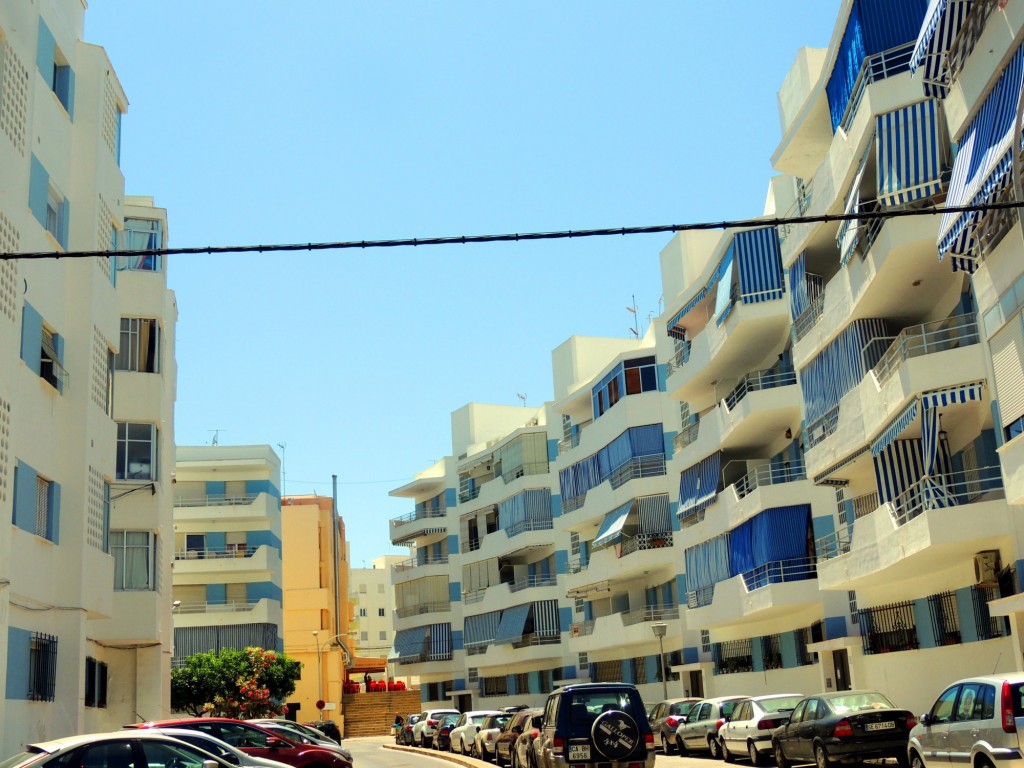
point(729, 706)
point(779, 703)
point(858, 701)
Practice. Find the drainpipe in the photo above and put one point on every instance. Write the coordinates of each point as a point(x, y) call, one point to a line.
point(336, 553)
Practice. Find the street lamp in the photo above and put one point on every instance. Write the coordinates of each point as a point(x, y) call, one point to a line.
point(319, 653)
point(659, 632)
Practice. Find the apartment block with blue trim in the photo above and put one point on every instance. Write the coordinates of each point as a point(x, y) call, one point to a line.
point(84, 593)
point(227, 549)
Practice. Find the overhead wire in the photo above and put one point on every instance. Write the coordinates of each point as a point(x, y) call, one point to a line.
point(761, 221)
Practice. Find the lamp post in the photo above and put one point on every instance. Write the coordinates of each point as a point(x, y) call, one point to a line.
point(319, 653)
point(659, 632)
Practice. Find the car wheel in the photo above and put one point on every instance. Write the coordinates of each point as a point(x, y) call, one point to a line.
point(821, 757)
point(666, 746)
point(726, 754)
point(780, 756)
point(427, 742)
point(498, 759)
point(681, 746)
point(753, 754)
point(916, 761)
point(715, 748)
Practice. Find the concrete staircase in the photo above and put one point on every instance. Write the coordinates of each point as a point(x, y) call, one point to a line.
point(371, 714)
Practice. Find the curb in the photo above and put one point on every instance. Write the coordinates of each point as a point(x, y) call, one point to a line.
point(450, 757)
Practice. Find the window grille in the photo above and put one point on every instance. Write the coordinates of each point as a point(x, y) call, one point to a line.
point(42, 667)
point(42, 506)
point(574, 543)
point(771, 652)
point(852, 597)
point(639, 665)
point(988, 626)
point(606, 671)
point(579, 605)
point(566, 426)
point(733, 656)
point(473, 675)
point(584, 661)
point(522, 681)
point(888, 628)
point(494, 686)
point(945, 620)
point(705, 641)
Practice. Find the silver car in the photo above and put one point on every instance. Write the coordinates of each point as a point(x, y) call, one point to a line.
point(748, 731)
point(975, 721)
point(700, 729)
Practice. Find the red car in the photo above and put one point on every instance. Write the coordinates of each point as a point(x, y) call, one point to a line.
point(257, 741)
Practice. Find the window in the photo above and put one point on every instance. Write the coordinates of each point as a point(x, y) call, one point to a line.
point(55, 69)
point(362, 613)
point(136, 451)
point(380, 612)
point(50, 367)
point(364, 636)
point(44, 497)
point(362, 589)
point(141, 235)
point(36, 507)
point(140, 345)
point(95, 683)
point(382, 635)
point(48, 204)
point(380, 589)
point(42, 667)
point(133, 559)
point(108, 395)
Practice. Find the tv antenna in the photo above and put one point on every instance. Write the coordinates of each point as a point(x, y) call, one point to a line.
point(522, 397)
point(216, 435)
point(635, 330)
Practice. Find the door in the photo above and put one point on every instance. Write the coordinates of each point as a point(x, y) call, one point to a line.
point(695, 731)
point(464, 702)
point(934, 738)
point(974, 706)
point(734, 732)
point(696, 685)
point(841, 663)
point(803, 740)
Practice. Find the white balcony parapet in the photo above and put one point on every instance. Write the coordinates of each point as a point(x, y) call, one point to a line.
point(412, 563)
point(215, 553)
point(229, 606)
point(216, 500)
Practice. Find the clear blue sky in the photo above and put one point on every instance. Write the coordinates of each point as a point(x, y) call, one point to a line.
point(325, 120)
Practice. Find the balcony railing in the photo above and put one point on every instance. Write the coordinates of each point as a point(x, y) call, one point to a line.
point(834, 544)
point(412, 563)
point(800, 206)
point(215, 553)
point(864, 504)
point(818, 430)
point(229, 606)
point(766, 474)
point(680, 358)
point(638, 466)
point(925, 339)
point(781, 571)
point(419, 514)
point(874, 69)
point(577, 564)
point(528, 525)
point(810, 316)
point(440, 606)
point(952, 490)
point(644, 541)
point(533, 581)
point(216, 500)
point(573, 440)
point(686, 435)
point(700, 598)
point(650, 613)
point(476, 596)
point(470, 545)
point(754, 382)
point(533, 639)
point(967, 37)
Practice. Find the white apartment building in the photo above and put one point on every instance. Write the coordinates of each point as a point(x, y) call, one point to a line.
point(227, 549)
point(87, 390)
point(809, 475)
point(372, 628)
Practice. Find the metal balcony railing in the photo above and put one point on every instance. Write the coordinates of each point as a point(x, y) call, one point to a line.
point(800, 206)
point(643, 542)
point(700, 598)
point(874, 69)
point(864, 504)
point(967, 37)
point(754, 382)
point(215, 553)
point(680, 358)
point(476, 596)
point(650, 613)
point(216, 500)
point(419, 514)
point(528, 525)
point(924, 339)
point(951, 490)
point(439, 606)
point(686, 435)
point(766, 474)
point(573, 440)
point(230, 606)
point(638, 466)
point(412, 563)
point(533, 581)
point(470, 545)
point(810, 316)
point(781, 571)
point(533, 639)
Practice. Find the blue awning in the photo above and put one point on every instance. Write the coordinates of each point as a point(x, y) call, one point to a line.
point(611, 528)
point(895, 428)
point(440, 641)
point(698, 486)
point(898, 466)
point(962, 393)
point(545, 618)
point(680, 333)
point(513, 622)
point(849, 229)
point(480, 629)
point(409, 642)
point(760, 265)
point(910, 153)
point(942, 22)
point(981, 169)
point(653, 514)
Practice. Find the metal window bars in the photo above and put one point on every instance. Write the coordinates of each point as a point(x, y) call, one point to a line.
point(733, 656)
point(42, 667)
point(888, 628)
point(771, 652)
point(945, 619)
point(766, 474)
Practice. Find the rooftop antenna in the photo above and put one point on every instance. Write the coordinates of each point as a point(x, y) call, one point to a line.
point(284, 473)
point(635, 330)
point(521, 397)
point(216, 435)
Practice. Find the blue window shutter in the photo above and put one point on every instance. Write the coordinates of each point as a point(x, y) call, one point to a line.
point(70, 103)
point(65, 223)
point(31, 337)
point(19, 645)
point(38, 190)
point(58, 347)
point(44, 54)
point(25, 497)
point(53, 521)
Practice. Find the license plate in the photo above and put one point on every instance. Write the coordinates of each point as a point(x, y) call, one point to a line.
point(579, 752)
point(886, 725)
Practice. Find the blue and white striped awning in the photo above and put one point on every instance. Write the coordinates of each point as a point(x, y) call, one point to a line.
point(409, 642)
point(824, 478)
point(895, 428)
point(545, 618)
point(760, 265)
point(680, 333)
point(838, 368)
point(513, 622)
point(611, 528)
point(910, 153)
point(698, 485)
point(848, 235)
point(942, 21)
point(962, 393)
point(981, 169)
point(480, 629)
point(897, 467)
point(653, 514)
point(440, 641)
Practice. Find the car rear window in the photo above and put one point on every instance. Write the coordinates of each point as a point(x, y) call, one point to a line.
point(587, 705)
point(728, 707)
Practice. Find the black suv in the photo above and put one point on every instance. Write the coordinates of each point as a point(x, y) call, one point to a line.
point(596, 723)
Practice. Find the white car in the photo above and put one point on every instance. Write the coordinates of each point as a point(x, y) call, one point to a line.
point(483, 744)
point(748, 731)
point(464, 733)
point(425, 728)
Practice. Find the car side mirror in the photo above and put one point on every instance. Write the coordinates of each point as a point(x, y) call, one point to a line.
point(272, 743)
point(537, 721)
point(925, 719)
point(684, 719)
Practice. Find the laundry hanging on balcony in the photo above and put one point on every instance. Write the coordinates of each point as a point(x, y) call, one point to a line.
point(942, 22)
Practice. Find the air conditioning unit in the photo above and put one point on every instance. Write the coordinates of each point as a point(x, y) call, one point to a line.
point(986, 567)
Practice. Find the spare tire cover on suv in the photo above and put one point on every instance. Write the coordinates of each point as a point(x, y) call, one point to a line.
point(615, 734)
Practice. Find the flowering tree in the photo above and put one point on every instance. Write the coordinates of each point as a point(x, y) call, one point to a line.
point(233, 683)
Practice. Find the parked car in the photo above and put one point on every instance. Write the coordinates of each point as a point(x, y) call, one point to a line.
point(699, 729)
point(665, 717)
point(310, 732)
point(593, 723)
point(425, 728)
point(292, 734)
point(483, 742)
point(328, 728)
point(749, 729)
point(218, 748)
point(443, 741)
point(844, 726)
point(464, 732)
point(404, 736)
point(974, 721)
point(255, 740)
point(504, 745)
point(121, 749)
point(523, 755)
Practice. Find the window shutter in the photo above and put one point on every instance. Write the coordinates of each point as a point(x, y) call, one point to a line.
point(38, 190)
point(31, 337)
point(25, 497)
point(44, 54)
point(53, 516)
point(1008, 365)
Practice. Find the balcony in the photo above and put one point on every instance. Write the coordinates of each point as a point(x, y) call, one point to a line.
point(415, 569)
point(617, 630)
point(439, 606)
point(228, 612)
point(926, 339)
point(138, 617)
point(407, 528)
point(932, 524)
point(765, 594)
point(241, 563)
point(244, 508)
point(529, 648)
